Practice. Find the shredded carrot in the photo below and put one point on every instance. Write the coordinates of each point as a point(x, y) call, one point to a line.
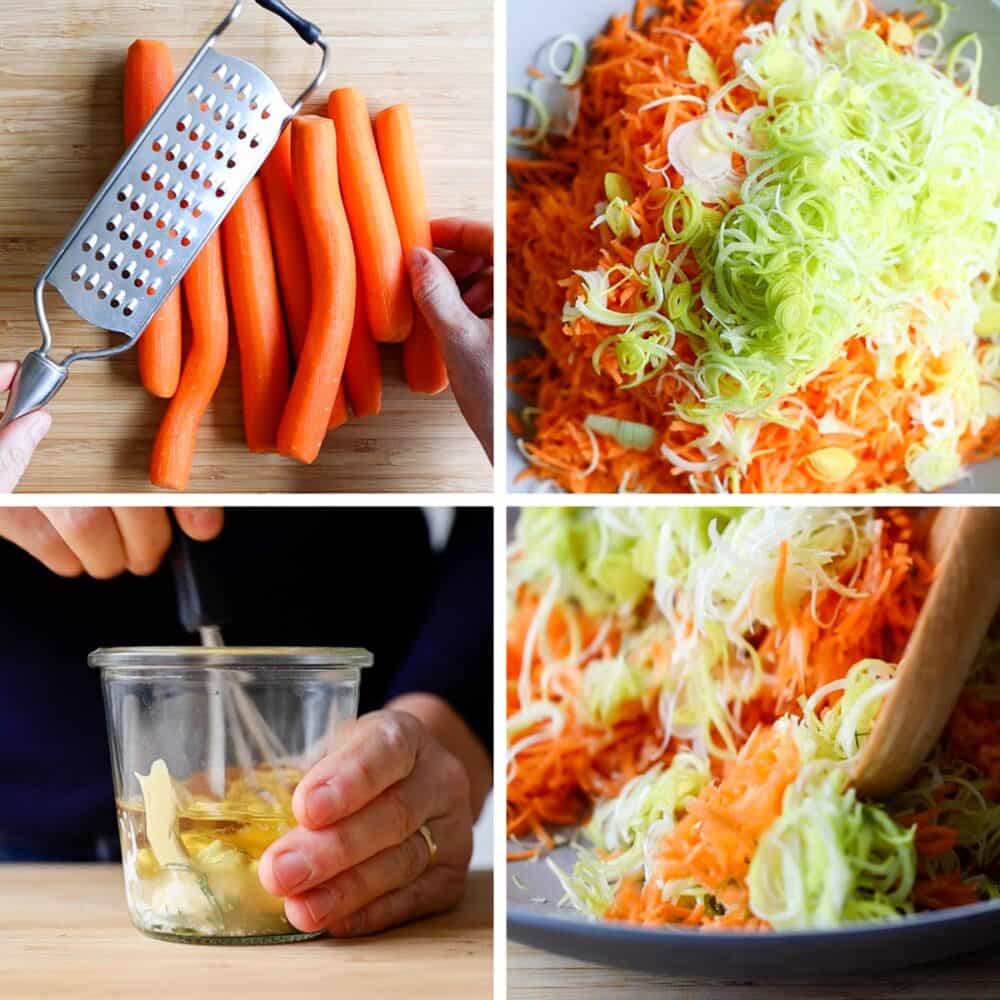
point(555, 781)
point(551, 203)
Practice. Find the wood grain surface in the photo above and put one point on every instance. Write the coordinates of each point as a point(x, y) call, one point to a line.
point(539, 975)
point(60, 87)
point(65, 932)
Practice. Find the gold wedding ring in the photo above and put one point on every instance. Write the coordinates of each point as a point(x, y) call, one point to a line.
point(429, 840)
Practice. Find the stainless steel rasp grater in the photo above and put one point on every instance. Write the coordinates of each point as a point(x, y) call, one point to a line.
point(164, 199)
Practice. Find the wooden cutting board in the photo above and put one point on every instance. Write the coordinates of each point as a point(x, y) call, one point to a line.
point(64, 932)
point(61, 67)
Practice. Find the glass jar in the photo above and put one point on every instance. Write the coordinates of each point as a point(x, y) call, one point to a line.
point(207, 745)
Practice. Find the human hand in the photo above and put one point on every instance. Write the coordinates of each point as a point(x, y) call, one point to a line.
point(19, 440)
point(103, 541)
point(358, 862)
point(455, 296)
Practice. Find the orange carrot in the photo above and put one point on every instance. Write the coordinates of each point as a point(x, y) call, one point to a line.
point(260, 328)
point(332, 266)
point(340, 414)
point(397, 148)
point(290, 251)
point(376, 239)
point(634, 94)
point(149, 76)
point(363, 371)
point(205, 293)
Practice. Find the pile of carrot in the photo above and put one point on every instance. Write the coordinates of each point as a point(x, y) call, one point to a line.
point(638, 60)
point(310, 264)
point(555, 782)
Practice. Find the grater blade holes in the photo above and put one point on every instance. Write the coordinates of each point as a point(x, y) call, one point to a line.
point(130, 307)
point(80, 273)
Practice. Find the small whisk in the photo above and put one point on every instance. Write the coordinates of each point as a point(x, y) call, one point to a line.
point(232, 713)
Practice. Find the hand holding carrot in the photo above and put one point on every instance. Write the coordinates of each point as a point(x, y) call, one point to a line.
point(455, 297)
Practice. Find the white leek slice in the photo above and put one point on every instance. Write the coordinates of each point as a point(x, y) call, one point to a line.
point(627, 433)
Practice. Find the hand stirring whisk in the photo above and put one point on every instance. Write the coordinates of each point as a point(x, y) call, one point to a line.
point(232, 712)
point(162, 202)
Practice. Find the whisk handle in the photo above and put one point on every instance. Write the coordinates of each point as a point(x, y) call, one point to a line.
point(305, 29)
point(199, 600)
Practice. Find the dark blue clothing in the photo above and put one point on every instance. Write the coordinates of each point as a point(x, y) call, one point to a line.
point(290, 577)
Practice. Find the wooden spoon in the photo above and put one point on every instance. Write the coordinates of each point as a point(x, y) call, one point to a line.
point(964, 546)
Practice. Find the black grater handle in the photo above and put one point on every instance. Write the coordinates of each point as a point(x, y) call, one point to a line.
point(200, 599)
point(309, 33)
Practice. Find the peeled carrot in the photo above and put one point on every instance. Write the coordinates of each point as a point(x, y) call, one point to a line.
point(205, 293)
point(260, 327)
point(290, 253)
point(397, 148)
point(340, 415)
point(376, 239)
point(149, 76)
point(332, 266)
point(363, 370)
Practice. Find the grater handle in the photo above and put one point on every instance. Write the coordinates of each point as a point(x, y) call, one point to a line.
point(309, 33)
point(37, 381)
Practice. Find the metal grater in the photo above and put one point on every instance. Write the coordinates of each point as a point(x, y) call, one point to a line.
point(164, 199)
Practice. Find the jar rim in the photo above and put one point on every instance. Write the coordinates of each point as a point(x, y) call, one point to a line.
point(223, 657)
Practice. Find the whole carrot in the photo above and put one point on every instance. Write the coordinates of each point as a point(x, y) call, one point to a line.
point(149, 76)
point(332, 266)
point(205, 293)
point(422, 361)
point(260, 326)
point(363, 371)
point(376, 239)
point(339, 416)
point(290, 252)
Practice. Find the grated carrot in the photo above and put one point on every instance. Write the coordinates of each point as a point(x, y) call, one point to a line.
point(551, 201)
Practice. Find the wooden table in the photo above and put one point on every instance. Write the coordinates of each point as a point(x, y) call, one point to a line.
point(60, 87)
point(64, 931)
point(539, 975)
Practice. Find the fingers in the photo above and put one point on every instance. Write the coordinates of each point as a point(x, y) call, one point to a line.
point(29, 529)
point(464, 236)
point(306, 858)
point(18, 442)
point(391, 869)
point(479, 298)
point(438, 297)
point(462, 266)
point(8, 369)
point(381, 750)
point(200, 523)
point(438, 889)
point(145, 534)
point(92, 533)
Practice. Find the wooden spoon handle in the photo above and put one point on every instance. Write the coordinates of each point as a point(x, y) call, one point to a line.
point(939, 655)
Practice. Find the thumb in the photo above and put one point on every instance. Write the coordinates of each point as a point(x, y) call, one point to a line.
point(438, 298)
point(17, 444)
